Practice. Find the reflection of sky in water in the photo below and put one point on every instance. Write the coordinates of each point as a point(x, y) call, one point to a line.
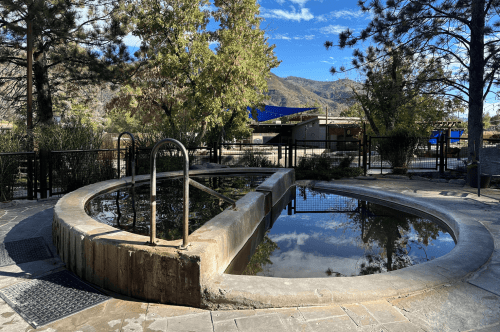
point(311, 243)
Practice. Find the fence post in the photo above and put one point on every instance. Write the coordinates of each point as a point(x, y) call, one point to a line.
point(369, 151)
point(220, 153)
point(128, 158)
point(43, 173)
point(30, 176)
point(441, 153)
point(365, 146)
point(49, 159)
point(214, 147)
point(279, 153)
point(295, 153)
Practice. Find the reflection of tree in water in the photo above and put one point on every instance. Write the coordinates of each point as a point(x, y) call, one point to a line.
point(169, 206)
point(261, 256)
point(388, 229)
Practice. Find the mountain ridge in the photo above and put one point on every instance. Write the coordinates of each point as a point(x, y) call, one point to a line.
point(293, 91)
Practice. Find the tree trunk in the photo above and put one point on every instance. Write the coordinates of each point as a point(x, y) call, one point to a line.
point(476, 77)
point(44, 97)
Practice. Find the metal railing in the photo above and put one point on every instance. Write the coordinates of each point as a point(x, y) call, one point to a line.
point(187, 182)
point(132, 155)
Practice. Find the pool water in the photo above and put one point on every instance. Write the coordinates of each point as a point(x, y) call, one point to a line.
point(129, 208)
point(328, 235)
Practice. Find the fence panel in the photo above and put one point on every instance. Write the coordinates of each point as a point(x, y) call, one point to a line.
point(169, 158)
point(252, 154)
point(426, 155)
point(70, 170)
point(456, 154)
point(335, 149)
point(16, 175)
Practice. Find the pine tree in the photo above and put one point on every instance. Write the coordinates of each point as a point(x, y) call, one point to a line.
point(74, 41)
point(195, 88)
point(401, 93)
point(462, 34)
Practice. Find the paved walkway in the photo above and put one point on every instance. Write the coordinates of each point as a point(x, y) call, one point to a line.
point(471, 304)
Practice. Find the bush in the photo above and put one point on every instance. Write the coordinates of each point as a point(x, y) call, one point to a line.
point(72, 170)
point(254, 159)
point(398, 148)
point(323, 168)
point(71, 134)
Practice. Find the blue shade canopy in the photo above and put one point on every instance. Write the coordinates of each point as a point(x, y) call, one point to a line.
point(274, 112)
point(455, 134)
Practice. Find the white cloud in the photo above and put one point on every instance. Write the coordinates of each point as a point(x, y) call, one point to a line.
point(280, 36)
point(307, 37)
point(293, 15)
point(300, 239)
point(299, 264)
point(347, 14)
point(344, 14)
point(132, 41)
point(332, 29)
point(301, 3)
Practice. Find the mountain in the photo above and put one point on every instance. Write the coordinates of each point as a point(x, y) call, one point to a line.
point(297, 92)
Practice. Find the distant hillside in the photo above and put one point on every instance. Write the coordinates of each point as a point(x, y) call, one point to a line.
point(296, 91)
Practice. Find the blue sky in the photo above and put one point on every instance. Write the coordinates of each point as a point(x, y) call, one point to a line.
point(299, 29)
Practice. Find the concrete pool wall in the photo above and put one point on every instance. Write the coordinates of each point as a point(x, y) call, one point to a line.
point(474, 246)
point(122, 262)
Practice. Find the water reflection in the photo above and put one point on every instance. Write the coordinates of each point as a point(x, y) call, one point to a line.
point(327, 235)
point(129, 209)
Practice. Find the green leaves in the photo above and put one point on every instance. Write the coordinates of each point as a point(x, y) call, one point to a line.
point(203, 72)
point(400, 93)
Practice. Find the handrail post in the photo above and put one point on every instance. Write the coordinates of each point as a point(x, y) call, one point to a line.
point(133, 155)
point(185, 224)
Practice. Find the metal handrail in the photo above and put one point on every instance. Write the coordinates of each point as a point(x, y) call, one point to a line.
point(187, 182)
point(133, 158)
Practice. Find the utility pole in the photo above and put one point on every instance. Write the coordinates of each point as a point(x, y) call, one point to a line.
point(30, 146)
point(29, 117)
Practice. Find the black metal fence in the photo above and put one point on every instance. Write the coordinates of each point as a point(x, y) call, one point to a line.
point(17, 175)
point(169, 158)
point(336, 150)
point(245, 154)
point(426, 155)
point(69, 170)
point(28, 175)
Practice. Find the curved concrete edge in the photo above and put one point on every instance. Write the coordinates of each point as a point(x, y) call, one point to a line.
point(473, 249)
point(122, 262)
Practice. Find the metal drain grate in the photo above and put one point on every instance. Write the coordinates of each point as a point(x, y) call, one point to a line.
point(47, 299)
point(23, 251)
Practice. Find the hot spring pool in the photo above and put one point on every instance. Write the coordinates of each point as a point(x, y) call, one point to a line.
point(129, 208)
point(328, 235)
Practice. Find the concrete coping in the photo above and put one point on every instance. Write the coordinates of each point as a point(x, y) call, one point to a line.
point(474, 246)
point(122, 262)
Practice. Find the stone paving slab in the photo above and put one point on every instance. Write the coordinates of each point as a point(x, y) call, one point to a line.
point(472, 304)
point(458, 307)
